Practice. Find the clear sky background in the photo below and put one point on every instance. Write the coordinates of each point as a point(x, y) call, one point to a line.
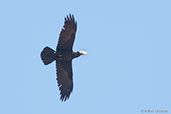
point(127, 69)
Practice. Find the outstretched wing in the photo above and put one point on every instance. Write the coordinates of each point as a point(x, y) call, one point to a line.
point(64, 78)
point(67, 34)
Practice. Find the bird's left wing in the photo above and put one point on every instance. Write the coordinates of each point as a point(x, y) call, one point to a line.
point(67, 34)
point(64, 78)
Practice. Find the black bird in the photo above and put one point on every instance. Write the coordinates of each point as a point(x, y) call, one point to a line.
point(63, 56)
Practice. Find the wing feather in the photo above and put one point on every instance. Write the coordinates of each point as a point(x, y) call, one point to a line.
point(64, 78)
point(67, 34)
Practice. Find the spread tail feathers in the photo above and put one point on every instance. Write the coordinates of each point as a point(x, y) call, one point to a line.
point(47, 55)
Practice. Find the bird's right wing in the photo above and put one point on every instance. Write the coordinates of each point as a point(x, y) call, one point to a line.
point(67, 35)
point(64, 78)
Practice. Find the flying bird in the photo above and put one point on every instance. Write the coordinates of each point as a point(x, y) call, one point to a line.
point(63, 56)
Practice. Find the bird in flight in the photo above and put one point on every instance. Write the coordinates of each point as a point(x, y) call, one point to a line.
point(63, 56)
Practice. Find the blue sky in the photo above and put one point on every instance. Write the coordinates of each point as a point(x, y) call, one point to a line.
point(127, 69)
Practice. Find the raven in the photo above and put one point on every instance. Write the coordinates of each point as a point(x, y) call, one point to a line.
point(63, 57)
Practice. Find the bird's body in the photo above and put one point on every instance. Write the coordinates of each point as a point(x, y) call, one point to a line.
point(66, 55)
point(63, 57)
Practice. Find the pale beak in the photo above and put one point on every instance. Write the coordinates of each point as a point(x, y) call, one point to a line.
point(83, 52)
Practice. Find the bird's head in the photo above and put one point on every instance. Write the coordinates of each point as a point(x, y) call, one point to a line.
point(78, 53)
point(82, 52)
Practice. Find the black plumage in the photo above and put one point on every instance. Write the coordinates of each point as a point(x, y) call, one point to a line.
point(63, 57)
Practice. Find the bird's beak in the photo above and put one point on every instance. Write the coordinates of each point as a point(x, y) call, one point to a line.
point(83, 52)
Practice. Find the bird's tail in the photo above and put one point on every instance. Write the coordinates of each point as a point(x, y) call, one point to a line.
point(47, 55)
